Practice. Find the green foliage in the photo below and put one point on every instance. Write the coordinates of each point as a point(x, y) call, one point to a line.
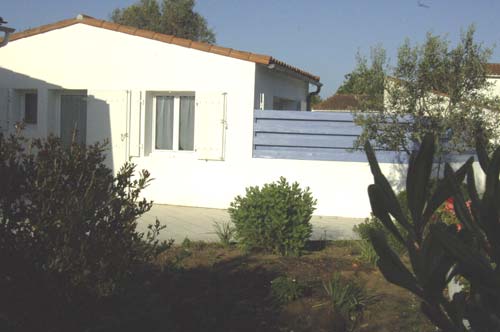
point(285, 289)
point(172, 17)
point(366, 252)
point(347, 299)
point(315, 100)
point(439, 251)
point(432, 89)
point(188, 244)
point(67, 229)
point(373, 223)
point(367, 79)
point(274, 218)
point(225, 232)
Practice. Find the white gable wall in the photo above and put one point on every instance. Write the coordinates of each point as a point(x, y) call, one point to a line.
point(82, 57)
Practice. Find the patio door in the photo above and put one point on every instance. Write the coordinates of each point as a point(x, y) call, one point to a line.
point(73, 118)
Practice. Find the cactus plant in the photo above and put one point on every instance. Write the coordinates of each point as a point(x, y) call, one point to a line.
point(438, 251)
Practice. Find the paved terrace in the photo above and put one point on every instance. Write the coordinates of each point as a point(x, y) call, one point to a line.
point(197, 223)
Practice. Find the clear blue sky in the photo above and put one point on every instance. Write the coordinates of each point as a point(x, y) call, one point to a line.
point(320, 36)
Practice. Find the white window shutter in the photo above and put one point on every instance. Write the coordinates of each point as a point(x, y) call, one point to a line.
point(108, 118)
point(135, 122)
point(210, 126)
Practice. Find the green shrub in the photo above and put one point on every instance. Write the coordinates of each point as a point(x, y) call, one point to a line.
point(348, 300)
point(274, 218)
point(363, 229)
point(225, 232)
point(286, 289)
point(67, 230)
point(367, 253)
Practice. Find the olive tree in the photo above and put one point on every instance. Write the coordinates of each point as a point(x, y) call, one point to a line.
point(433, 88)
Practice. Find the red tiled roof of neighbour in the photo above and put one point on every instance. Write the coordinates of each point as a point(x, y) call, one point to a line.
point(339, 102)
point(229, 52)
point(493, 68)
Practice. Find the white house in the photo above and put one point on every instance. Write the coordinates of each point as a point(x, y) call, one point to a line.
point(181, 109)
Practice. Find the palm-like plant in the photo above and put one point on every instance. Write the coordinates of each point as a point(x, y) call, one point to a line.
point(439, 252)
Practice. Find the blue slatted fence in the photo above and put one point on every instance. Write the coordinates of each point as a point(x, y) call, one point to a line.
point(310, 136)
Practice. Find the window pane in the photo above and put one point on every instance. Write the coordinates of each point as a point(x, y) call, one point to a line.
point(164, 122)
point(30, 108)
point(186, 123)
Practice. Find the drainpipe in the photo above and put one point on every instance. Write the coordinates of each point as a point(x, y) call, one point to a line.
point(6, 33)
point(314, 93)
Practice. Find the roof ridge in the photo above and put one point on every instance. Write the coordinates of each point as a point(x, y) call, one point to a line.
point(169, 39)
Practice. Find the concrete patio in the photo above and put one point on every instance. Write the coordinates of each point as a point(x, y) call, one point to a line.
point(197, 223)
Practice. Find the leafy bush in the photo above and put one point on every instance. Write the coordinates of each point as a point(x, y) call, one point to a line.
point(374, 223)
point(274, 218)
point(439, 251)
point(67, 230)
point(366, 252)
point(286, 289)
point(347, 299)
point(225, 232)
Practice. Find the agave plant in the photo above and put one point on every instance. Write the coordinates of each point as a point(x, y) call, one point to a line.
point(438, 251)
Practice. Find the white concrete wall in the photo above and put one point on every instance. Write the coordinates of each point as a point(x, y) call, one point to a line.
point(339, 187)
point(495, 85)
point(273, 83)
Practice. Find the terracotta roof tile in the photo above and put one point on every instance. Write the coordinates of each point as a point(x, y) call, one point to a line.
point(339, 102)
point(94, 22)
point(145, 33)
point(110, 25)
point(239, 55)
point(163, 38)
point(201, 46)
point(292, 68)
point(220, 50)
point(493, 68)
point(242, 55)
point(181, 42)
point(127, 29)
point(259, 58)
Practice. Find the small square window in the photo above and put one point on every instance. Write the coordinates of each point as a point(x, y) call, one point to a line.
point(30, 107)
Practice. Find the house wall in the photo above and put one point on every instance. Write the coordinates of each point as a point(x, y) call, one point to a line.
point(495, 85)
point(119, 71)
point(273, 83)
point(116, 68)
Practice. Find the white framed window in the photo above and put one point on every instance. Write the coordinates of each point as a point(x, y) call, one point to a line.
point(27, 101)
point(174, 121)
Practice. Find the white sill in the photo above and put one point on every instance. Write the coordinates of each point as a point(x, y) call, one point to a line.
point(174, 154)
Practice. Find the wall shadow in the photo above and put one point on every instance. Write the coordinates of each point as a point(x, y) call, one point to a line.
point(98, 116)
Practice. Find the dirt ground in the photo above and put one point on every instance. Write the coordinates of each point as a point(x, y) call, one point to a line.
point(224, 289)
